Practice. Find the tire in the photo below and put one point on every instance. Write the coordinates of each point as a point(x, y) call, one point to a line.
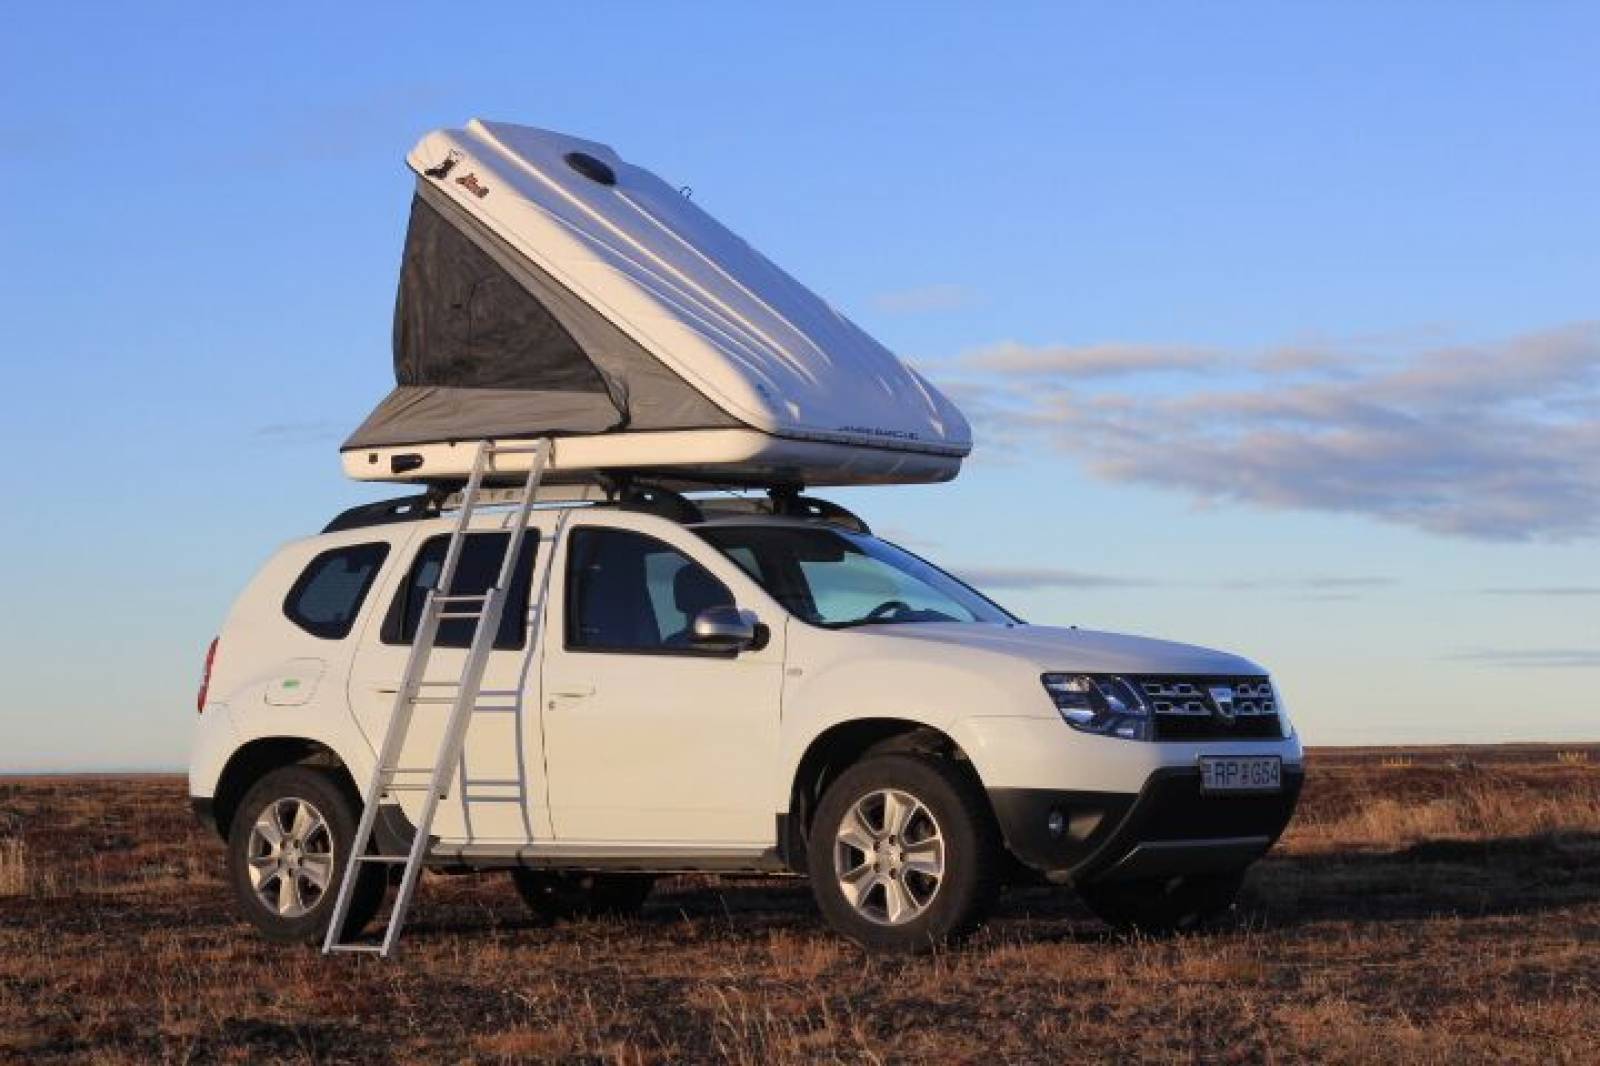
point(258, 870)
point(560, 895)
point(1162, 907)
point(864, 824)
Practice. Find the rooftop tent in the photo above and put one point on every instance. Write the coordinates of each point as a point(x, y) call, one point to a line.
point(549, 288)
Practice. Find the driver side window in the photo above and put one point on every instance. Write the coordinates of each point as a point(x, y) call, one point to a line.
point(630, 592)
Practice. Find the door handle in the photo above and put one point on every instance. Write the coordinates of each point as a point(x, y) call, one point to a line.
point(572, 692)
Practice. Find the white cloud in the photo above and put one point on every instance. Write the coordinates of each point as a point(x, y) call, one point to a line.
point(1321, 583)
point(1085, 360)
point(1496, 441)
point(1038, 577)
point(924, 299)
point(1530, 658)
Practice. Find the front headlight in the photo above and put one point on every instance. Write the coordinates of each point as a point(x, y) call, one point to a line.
point(1108, 706)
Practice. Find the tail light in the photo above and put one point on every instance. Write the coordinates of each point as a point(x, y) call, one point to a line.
point(205, 676)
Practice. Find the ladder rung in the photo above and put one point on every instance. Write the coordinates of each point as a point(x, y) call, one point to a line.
point(409, 770)
point(491, 799)
point(442, 700)
point(364, 949)
point(464, 597)
point(383, 858)
point(495, 709)
point(492, 782)
point(406, 788)
point(460, 616)
point(513, 449)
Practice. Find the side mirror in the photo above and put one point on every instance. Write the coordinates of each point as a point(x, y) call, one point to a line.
point(726, 628)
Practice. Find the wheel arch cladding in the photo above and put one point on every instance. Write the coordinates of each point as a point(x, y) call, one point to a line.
point(841, 746)
point(259, 757)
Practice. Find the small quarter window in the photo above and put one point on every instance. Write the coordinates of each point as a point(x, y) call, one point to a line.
point(328, 594)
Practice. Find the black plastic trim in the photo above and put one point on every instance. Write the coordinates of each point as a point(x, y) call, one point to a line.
point(1105, 828)
point(395, 832)
point(205, 812)
point(385, 512)
point(596, 170)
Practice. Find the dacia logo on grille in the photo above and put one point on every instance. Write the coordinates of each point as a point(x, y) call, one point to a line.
point(1222, 697)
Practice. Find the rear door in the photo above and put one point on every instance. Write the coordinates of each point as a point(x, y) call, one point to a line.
point(649, 740)
point(502, 761)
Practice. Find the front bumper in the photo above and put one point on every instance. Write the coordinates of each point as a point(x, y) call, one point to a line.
point(1168, 828)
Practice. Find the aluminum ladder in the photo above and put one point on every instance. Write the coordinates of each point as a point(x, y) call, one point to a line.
point(462, 697)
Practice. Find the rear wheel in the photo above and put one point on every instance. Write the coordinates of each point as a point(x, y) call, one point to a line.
point(559, 895)
point(288, 847)
point(1162, 906)
point(902, 854)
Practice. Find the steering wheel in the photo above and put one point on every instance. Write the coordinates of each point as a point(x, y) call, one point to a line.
point(887, 608)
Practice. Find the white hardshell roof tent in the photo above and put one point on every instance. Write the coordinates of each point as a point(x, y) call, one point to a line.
point(549, 287)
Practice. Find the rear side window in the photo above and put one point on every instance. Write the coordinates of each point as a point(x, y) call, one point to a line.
point(481, 556)
point(328, 594)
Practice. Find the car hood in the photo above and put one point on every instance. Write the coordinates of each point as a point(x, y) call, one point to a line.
point(1054, 649)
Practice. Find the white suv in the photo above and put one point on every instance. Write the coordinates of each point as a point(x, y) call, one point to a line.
point(735, 686)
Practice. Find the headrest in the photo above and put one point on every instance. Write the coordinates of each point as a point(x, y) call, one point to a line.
point(693, 590)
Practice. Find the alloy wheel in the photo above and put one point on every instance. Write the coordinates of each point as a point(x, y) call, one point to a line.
point(290, 857)
point(889, 857)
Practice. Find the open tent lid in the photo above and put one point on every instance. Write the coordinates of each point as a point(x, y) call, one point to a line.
point(549, 287)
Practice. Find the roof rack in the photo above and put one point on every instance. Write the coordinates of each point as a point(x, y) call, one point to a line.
point(624, 491)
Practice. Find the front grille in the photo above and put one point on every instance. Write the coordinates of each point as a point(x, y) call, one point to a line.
point(1212, 708)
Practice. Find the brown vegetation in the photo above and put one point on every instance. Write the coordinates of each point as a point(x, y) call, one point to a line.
point(1443, 909)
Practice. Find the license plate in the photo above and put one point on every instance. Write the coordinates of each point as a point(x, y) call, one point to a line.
point(1228, 773)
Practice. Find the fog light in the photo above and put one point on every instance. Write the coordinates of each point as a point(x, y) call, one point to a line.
point(1056, 823)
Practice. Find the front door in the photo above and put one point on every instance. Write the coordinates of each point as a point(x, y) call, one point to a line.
point(498, 795)
point(649, 739)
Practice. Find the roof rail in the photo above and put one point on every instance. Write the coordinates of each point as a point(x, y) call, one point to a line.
point(653, 499)
point(510, 496)
point(384, 512)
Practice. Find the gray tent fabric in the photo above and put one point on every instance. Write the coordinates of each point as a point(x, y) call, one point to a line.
point(488, 345)
point(416, 414)
point(461, 320)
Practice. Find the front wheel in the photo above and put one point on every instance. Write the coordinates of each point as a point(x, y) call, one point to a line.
point(288, 847)
point(1163, 906)
point(902, 854)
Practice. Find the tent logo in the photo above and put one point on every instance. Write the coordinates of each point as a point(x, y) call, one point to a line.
point(471, 183)
point(443, 169)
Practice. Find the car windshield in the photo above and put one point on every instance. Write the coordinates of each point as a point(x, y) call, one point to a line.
point(833, 578)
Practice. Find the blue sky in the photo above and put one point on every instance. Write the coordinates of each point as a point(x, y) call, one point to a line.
point(1277, 322)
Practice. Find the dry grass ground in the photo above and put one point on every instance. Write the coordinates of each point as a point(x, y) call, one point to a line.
point(1436, 909)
